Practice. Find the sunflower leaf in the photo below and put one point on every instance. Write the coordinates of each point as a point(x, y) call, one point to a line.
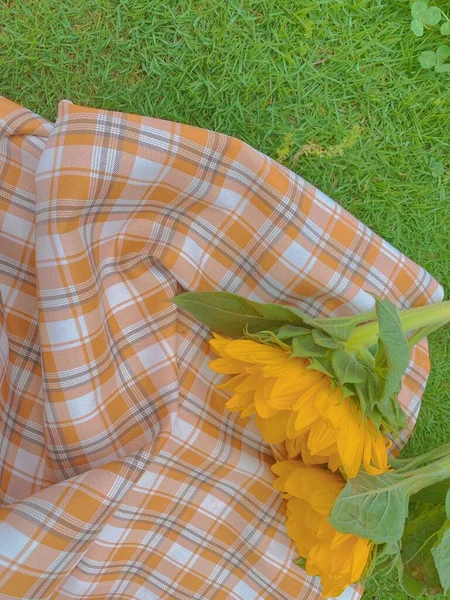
point(384, 559)
point(233, 315)
point(287, 332)
point(321, 364)
point(392, 354)
point(367, 390)
point(341, 328)
point(372, 507)
point(321, 338)
point(441, 554)
point(434, 494)
point(419, 574)
point(376, 417)
point(304, 346)
point(300, 562)
point(347, 367)
point(392, 413)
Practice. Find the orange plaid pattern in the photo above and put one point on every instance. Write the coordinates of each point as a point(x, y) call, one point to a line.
point(122, 475)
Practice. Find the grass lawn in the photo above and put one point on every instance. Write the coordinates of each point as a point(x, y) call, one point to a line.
point(331, 88)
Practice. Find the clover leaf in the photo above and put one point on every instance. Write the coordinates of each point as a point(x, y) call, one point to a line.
point(419, 8)
point(427, 59)
point(430, 59)
point(442, 53)
point(445, 28)
point(423, 15)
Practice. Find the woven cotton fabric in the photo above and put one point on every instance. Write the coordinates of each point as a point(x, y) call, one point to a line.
point(122, 475)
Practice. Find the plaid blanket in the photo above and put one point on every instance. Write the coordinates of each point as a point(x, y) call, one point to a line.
point(122, 474)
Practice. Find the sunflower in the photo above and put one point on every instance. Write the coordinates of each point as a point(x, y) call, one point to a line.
point(338, 558)
point(300, 406)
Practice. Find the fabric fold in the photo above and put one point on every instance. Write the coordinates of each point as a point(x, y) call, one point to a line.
point(122, 473)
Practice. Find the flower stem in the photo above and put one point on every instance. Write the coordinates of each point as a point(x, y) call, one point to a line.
point(430, 474)
point(407, 464)
point(411, 319)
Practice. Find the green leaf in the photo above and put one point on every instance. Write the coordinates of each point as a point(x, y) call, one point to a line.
point(287, 332)
point(321, 364)
point(233, 315)
point(341, 328)
point(432, 16)
point(442, 53)
point(392, 354)
point(447, 504)
point(372, 507)
point(427, 59)
point(304, 346)
point(445, 68)
point(300, 562)
point(321, 338)
point(441, 555)
point(419, 8)
point(445, 28)
point(347, 367)
point(376, 417)
point(266, 337)
point(417, 27)
point(420, 575)
point(392, 413)
point(434, 494)
point(384, 559)
point(367, 391)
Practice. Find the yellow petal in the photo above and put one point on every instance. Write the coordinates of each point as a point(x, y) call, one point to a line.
point(379, 455)
point(360, 558)
point(316, 486)
point(307, 396)
point(332, 407)
point(293, 447)
point(219, 343)
point(304, 539)
point(291, 432)
point(249, 384)
point(306, 417)
point(306, 455)
point(285, 467)
point(227, 366)
point(230, 384)
point(331, 588)
point(249, 411)
point(334, 461)
point(273, 429)
point(262, 407)
point(255, 352)
point(291, 367)
point(350, 442)
point(321, 437)
point(239, 401)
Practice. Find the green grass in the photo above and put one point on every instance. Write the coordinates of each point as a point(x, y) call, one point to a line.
point(332, 88)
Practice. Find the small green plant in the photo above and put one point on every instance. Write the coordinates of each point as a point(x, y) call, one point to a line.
point(429, 59)
point(425, 17)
